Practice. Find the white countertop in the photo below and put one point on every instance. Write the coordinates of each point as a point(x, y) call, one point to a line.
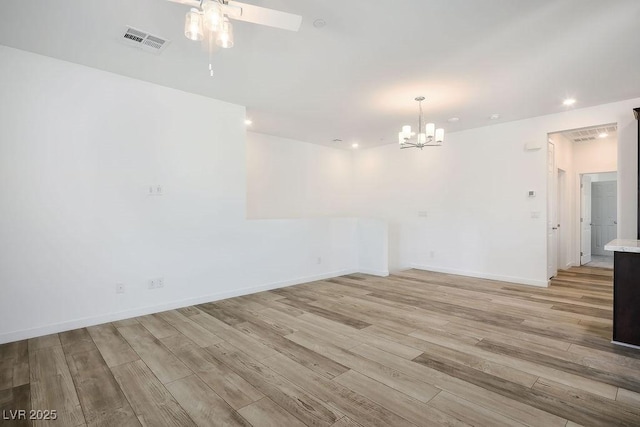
point(623, 245)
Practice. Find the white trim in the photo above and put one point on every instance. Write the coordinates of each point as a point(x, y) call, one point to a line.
point(379, 273)
point(510, 279)
point(142, 311)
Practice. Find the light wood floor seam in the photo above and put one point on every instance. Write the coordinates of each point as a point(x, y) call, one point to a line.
point(413, 349)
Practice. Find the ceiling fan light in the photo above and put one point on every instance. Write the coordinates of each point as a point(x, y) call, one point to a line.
point(193, 25)
point(213, 16)
point(225, 34)
point(439, 135)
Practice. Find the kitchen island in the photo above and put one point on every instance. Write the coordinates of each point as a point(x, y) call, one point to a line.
point(626, 291)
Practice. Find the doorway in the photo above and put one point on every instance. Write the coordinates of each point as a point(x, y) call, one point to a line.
point(599, 218)
point(575, 156)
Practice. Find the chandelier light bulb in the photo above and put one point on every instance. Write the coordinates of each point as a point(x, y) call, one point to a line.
point(193, 25)
point(430, 130)
point(225, 34)
point(406, 130)
point(439, 135)
point(400, 138)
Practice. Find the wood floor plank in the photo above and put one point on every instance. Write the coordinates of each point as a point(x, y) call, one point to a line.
point(469, 412)
point(102, 401)
point(203, 405)
point(310, 359)
point(346, 422)
point(15, 399)
point(628, 397)
point(388, 376)
point(151, 401)
point(356, 406)
point(14, 364)
point(265, 413)
point(76, 341)
point(114, 348)
point(158, 358)
point(158, 327)
point(234, 337)
point(290, 397)
point(419, 413)
point(190, 329)
point(44, 342)
point(236, 391)
point(469, 391)
point(561, 364)
point(52, 386)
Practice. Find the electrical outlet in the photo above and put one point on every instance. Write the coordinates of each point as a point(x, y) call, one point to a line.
point(119, 288)
point(156, 283)
point(156, 190)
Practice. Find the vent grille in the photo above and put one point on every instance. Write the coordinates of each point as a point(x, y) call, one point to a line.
point(592, 133)
point(143, 40)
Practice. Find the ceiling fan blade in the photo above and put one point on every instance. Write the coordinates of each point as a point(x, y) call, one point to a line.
point(264, 16)
point(255, 14)
point(192, 3)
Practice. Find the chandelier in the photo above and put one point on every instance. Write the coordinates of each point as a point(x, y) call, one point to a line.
point(428, 136)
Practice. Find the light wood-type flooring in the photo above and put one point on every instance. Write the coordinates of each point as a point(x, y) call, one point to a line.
point(416, 348)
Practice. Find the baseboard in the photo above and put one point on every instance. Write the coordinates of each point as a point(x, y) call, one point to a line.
point(379, 273)
point(142, 311)
point(510, 279)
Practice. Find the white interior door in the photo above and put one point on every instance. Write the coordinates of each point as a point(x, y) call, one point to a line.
point(585, 219)
point(610, 229)
point(552, 213)
point(597, 218)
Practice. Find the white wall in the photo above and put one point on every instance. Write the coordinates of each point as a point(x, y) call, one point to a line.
point(596, 156)
point(373, 246)
point(479, 219)
point(79, 148)
point(295, 179)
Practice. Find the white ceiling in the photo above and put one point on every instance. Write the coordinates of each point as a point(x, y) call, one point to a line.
point(355, 79)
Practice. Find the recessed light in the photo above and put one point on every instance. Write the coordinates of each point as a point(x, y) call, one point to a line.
point(319, 23)
point(569, 101)
point(355, 145)
point(494, 116)
point(603, 135)
point(248, 122)
point(453, 119)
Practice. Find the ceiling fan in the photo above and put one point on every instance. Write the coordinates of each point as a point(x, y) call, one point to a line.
point(250, 13)
point(209, 21)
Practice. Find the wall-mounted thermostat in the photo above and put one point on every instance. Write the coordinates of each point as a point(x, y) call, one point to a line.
point(532, 193)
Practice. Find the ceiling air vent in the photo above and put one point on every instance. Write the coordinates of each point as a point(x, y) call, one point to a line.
point(143, 40)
